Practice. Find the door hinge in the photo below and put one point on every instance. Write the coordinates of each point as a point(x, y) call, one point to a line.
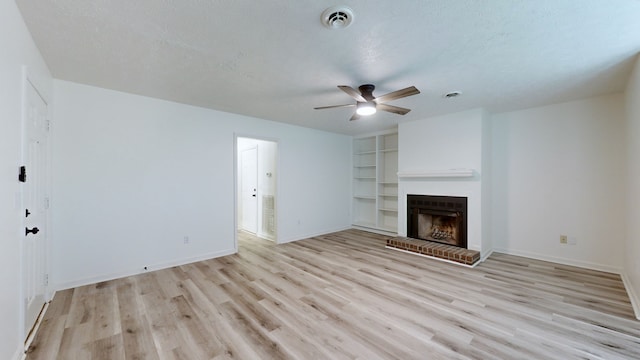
point(46, 203)
point(46, 280)
point(48, 125)
point(22, 174)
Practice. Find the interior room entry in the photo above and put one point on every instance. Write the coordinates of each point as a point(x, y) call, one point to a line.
point(33, 175)
point(256, 183)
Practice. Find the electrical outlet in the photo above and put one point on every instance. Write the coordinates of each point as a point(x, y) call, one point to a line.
point(563, 239)
point(186, 240)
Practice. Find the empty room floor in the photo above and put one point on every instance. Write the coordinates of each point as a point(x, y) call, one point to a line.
point(344, 296)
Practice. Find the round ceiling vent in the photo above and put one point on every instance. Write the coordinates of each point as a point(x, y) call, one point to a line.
point(337, 17)
point(452, 94)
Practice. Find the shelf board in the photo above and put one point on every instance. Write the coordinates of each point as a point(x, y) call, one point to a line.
point(436, 173)
point(364, 224)
point(389, 195)
point(364, 166)
point(365, 152)
point(364, 177)
point(388, 182)
point(388, 228)
point(365, 197)
point(388, 209)
point(389, 150)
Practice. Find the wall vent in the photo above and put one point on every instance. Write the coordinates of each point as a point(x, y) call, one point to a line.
point(268, 215)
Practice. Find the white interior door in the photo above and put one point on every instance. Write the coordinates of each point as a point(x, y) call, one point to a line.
point(35, 204)
point(249, 189)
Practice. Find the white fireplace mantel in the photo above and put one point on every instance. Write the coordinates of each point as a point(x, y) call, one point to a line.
point(448, 173)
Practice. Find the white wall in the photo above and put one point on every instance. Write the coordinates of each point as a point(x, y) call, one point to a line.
point(443, 142)
point(18, 49)
point(453, 141)
point(632, 194)
point(134, 175)
point(559, 169)
point(486, 187)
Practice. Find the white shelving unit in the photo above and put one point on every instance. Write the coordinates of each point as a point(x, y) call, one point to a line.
point(364, 181)
point(375, 182)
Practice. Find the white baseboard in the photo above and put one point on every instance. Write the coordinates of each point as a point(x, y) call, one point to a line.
point(19, 354)
point(375, 231)
point(633, 295)
point(130, 272)
point(266, 236)
point(560, 260)
point(486, 256)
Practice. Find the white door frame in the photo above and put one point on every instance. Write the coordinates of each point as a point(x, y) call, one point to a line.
point(236, 192)
point(28, 80)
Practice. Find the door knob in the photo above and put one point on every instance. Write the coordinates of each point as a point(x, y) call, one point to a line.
point(33, 231)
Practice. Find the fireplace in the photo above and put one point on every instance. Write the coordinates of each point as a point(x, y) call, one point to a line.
point(441, 219)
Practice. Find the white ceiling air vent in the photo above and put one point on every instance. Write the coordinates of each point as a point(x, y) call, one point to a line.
point(337, 17)
point(452, 94)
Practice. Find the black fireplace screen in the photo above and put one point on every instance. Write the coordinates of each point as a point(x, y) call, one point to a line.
point(438, 218)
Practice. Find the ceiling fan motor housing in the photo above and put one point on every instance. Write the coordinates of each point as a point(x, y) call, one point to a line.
point(367, 91)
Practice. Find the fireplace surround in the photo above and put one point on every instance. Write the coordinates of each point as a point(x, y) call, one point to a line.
point(441, 219)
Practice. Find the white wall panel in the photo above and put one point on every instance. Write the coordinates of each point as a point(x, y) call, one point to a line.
point(134, 175)
point(559, 169)
point(632, 190)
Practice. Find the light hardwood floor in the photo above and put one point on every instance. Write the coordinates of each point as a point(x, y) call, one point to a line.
point(344, 296)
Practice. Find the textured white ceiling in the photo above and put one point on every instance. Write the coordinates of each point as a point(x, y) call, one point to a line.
point(275, 60)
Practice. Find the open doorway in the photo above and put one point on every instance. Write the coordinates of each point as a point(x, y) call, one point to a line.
point(256, 166)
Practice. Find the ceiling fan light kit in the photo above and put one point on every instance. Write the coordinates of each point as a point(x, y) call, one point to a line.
point(366, 108)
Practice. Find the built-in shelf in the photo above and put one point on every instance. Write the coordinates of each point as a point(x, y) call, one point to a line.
point(436, 173)
point(375, 182)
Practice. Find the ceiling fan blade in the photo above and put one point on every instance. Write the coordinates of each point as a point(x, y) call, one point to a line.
point(352, 92)
point(355, 117)
point(393, 109)
point(333, 106)
point(411, 90)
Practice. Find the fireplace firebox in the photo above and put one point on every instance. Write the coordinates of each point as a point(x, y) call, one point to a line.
point(441, 219)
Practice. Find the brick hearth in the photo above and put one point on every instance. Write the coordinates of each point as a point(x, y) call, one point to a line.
point(433, 249)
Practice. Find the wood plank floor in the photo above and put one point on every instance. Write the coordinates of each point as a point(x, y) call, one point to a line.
point(344, 296)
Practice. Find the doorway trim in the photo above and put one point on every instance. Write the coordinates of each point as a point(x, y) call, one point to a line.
point(236, 191)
